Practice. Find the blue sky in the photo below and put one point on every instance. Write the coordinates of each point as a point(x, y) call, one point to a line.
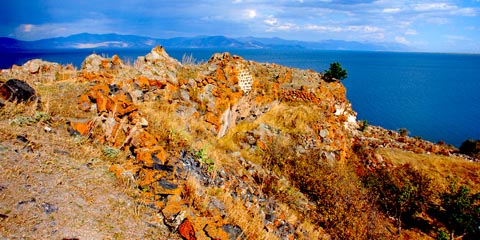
point(423, 25)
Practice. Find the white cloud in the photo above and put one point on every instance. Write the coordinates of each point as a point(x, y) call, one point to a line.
point(49, 30)
point(391, 10)
point(323, 28)
point(271, 21)
point(287, 26)
point(365, 29)
point(467, 12)
point(457, 38)
point(438, 20)
point(433, 7)
point(251, 13)
point(283, 27)
point(26, 27)
point(101, 44)
point(411, 32)
point(401, 40)
point(445, 8)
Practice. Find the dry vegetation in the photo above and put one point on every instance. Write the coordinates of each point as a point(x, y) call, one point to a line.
point(438, 167)
point(53, 185)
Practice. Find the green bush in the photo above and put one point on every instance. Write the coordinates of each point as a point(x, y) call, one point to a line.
point(403, 132)
point(363, 126)
point(471, 147)
point(461, 211)
point(401, 193)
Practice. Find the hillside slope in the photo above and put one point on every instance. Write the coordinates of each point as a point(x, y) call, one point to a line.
point(227, 149)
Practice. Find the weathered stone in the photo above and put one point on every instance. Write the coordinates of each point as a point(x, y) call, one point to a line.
point(15, 90)
point(84, 103)
point(234, 232)
point(101, 102)
point(143, 139)
point(137, 96)
point(34, 65)
point(174, 211)
point(186, 230)
point(324, 133)
point(81, 127)
point(121, 104)
point(150, 156)
point(141, 83)
point(92, 63)
point(166, 187)
point(215, 232)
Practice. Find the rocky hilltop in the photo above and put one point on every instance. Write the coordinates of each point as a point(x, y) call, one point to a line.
point(226, 149)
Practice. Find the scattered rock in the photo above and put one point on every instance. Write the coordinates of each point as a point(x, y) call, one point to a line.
point(48, 208)
point(234, 232)
point(15, 90)
point(186, 230)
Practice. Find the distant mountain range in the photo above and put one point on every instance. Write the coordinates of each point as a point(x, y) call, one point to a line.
point(91, 41)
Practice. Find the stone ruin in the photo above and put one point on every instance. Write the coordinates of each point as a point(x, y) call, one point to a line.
point(245, 80)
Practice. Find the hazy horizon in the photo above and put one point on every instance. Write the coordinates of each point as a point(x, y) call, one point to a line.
point(426, 25)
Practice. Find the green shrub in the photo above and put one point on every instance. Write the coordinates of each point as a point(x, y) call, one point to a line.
point(443, 235)
point(461, 211)
point(471, 147)
point(403, 132)
point(363, 126)
point(401, 193)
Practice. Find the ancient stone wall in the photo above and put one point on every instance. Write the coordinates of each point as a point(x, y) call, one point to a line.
point(245, 80)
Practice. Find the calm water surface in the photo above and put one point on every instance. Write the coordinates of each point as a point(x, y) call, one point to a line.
point(434, 96)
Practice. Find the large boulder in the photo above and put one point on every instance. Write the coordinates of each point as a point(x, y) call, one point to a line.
point(15, 90)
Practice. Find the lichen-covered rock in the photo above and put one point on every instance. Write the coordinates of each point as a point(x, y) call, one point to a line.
point(158, 65)
point(96, 63)
point(186, 230)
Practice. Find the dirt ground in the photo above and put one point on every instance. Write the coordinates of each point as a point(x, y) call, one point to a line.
point(55, 186)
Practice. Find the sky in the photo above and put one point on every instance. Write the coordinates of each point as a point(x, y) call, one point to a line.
point(421, 25)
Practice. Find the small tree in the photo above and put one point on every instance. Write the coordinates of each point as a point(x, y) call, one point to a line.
point(335, 72)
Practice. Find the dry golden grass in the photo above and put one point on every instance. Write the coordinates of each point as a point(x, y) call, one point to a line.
point(291, 118)
point(52, 170)
point(60, 99)
point(247, 219)
point(437, 166)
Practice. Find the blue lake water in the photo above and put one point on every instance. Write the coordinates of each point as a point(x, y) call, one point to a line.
point(435, 96)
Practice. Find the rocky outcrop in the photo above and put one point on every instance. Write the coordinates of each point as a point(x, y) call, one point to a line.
point(210, 94)
point(247, 112)
point(37, 70)
point(96, 63)
point(158, 65)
